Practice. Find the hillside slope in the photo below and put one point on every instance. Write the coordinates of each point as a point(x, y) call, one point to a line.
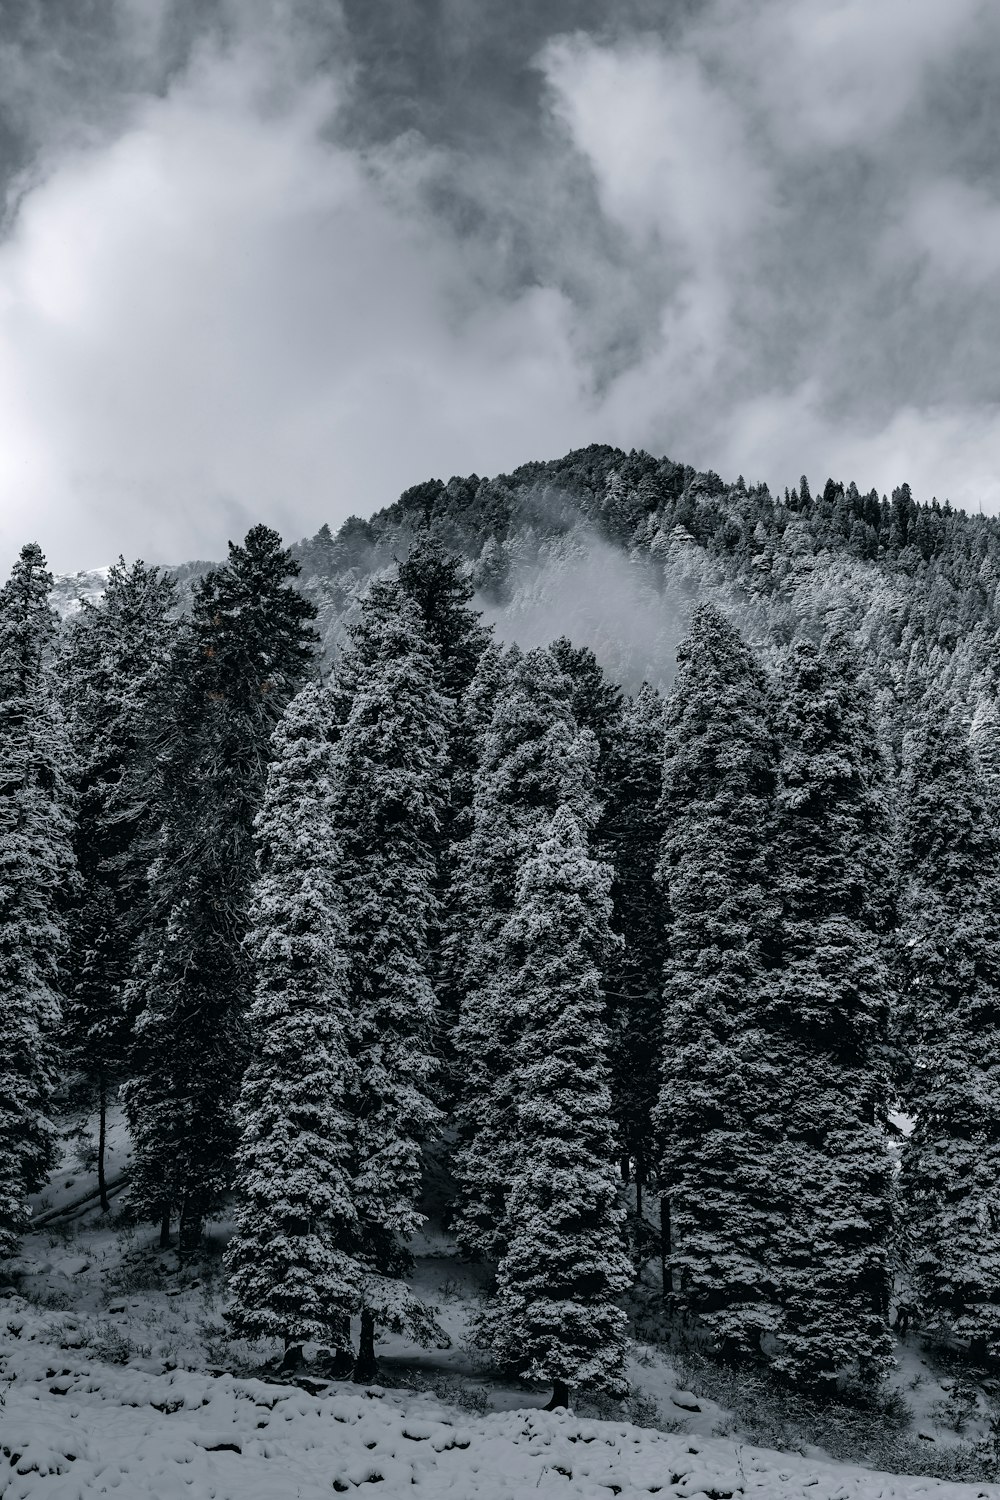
point(611, 548)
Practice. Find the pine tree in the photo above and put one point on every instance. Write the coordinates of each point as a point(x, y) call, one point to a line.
point(188, 1050)
point(245, 654)
point(95, 1022)
point(532, 759)
point(633, 828)
point(292, 1265)
point(435, 580)
point(712, 1112)
point(36, 871)
point(596, 704)
point(949, 1024)
point(111, 674)
point(554, 1315)
point(475, 710)
point(628, 777)
point(827, 1015)
point(390, 791)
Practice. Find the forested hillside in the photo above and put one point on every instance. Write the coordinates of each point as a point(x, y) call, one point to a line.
point(610, 548)
point(600, 859)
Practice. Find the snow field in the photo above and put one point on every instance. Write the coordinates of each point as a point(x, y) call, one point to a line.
point(73, 1428)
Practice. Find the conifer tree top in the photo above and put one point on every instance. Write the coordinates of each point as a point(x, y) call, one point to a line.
point(27, 622)
point(253, 627)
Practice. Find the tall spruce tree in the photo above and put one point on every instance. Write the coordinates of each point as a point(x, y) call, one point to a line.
point(712, 1112)
point(95, 1022)
point(111, 672)
point(36, 872)
point(292, 1264)
point(390, 793)
point(460, 904)
point(949, 1025)
point(532, 759)
point(597, 704)
point(435, 580)
point(554, 1315)
point(827, 1012)
point(247, 651)
point(112, 667)
point(632, 828)
point(628, 778)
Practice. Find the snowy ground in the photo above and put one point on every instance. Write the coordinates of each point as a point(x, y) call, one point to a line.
point(117, 1376)
point(74, 1427)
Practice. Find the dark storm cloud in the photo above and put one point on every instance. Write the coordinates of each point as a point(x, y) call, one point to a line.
point(282, 260)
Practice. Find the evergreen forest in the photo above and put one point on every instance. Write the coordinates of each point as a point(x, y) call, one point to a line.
point(603, 856)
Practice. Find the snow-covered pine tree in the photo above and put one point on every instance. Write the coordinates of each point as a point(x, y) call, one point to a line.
point(554, 1315)
point(111, 672)
point(628, 776)
point(532, 758)
point(474, 709)
point(245, 654)
point(718, 789)
point(112, 667)
point(95, 1027)
point(435, 580)
point(949, 1024)
point(596, 703)
point(293, 1271)
point(390, 791)
point(628, 786)
point(36, 871)
point(827, 1015)
point(633, 828)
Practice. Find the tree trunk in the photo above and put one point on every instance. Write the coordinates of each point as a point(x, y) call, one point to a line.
point(342, 1363)
point(165, 1230)
point(559, 1397)
point(638, 1196)
point(625, 1168)
point(366, 1365)
point(102, 1139)
point(188, 1235)
point(665, 1248)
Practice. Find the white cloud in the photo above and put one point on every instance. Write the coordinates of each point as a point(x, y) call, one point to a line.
point(952, 453)
point(668, 149)
point(223, 308)
point(224, 315)
point(956, 228)
point(675, 169)
point(836, 73)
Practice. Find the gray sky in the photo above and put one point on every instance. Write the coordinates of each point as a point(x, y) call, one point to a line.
point(280, 260)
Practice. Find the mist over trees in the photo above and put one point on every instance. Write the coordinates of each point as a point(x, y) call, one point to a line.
point(328, 880)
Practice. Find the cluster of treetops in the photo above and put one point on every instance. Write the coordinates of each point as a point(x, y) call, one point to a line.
point(309, 926)
point(915, 584)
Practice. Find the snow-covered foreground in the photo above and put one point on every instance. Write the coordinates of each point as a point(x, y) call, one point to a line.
point(74, 1427)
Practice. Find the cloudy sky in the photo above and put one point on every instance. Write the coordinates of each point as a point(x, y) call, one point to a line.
point(279, 259)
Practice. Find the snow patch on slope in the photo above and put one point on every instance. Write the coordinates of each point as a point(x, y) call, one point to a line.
point(75, 1427)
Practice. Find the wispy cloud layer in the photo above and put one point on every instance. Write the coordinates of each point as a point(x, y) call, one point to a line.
point(281, 261)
